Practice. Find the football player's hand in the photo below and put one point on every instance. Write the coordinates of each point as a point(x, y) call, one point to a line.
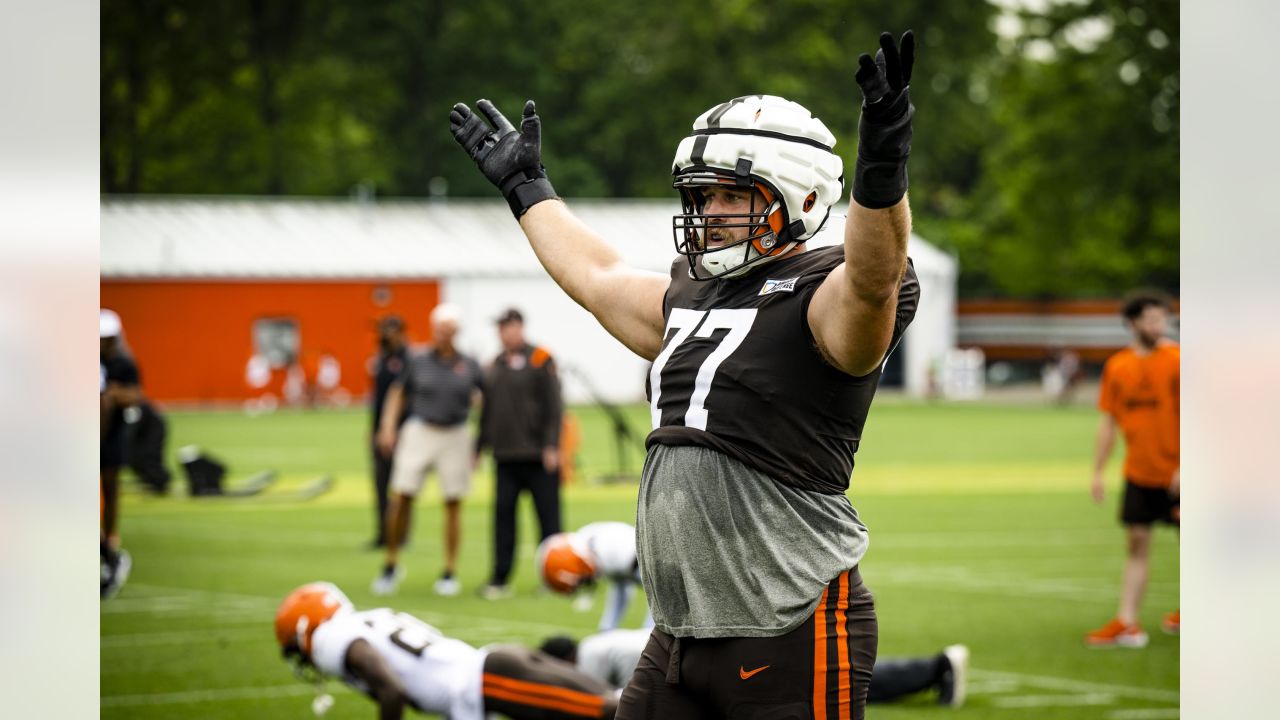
point(885, 80)
point(884, 131)
point(510, 159)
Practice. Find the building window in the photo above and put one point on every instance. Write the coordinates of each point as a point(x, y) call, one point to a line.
point(277, 340)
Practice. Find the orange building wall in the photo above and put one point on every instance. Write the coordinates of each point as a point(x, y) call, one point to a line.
point(193, 339)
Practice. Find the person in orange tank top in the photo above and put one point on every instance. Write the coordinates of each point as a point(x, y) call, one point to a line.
point(1139, 396)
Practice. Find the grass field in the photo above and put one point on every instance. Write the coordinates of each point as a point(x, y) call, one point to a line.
point(982, 533)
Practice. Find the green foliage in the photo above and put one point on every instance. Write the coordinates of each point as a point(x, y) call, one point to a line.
point(1080, 190)
point(1047, 175)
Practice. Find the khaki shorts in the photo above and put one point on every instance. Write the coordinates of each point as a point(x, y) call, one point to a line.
point(422, 447)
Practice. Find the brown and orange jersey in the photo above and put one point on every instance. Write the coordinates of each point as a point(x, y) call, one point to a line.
point(1142, 393)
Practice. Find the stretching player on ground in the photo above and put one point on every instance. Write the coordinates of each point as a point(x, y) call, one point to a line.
point(766, 355)
point(401, 662)
point(569, 562)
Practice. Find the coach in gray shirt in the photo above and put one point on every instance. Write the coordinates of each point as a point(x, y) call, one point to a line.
point(441, 384)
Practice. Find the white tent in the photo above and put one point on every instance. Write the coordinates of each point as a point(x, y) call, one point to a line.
point(472, 247)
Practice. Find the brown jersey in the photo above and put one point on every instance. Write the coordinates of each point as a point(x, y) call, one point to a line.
point(740, 372)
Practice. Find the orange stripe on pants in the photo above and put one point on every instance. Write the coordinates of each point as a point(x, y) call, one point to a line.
point(543, 696)
point(820, 659)
point(842, 647)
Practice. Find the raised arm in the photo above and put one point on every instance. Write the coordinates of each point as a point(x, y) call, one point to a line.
point(626, 301)
point(852, 313)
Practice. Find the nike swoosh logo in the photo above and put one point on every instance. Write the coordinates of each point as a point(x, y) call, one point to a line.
point(744, 674)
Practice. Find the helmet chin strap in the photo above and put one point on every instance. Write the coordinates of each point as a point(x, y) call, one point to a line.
point(716, 261)
point(731, 262)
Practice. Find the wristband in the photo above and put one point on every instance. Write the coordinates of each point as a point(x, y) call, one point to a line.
point(525, 189)
point(884, 144)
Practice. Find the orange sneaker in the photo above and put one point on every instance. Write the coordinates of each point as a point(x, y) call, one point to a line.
point(1117, 634)
point(1170, 623)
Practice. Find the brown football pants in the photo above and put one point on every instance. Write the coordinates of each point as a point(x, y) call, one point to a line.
point(525, 684)
point(819, 671)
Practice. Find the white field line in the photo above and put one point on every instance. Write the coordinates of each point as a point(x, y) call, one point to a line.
point(975, 581)
point(178, 637)
point(220, 694)
point(1144, 714)
point(205, 603)
point(1029, 539)
point(992, 687)
point(236, 535)
point(1078, 686)
point(1003, 539)
point(1039, 701)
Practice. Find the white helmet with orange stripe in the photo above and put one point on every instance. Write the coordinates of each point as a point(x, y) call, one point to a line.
point(773, 147)
point(565, 563)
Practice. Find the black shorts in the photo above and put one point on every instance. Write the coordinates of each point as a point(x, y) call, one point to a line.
point(1146, 505)
point(819, 671)
point(113, 451)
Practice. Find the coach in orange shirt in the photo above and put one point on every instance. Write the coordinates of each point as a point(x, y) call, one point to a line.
point(1139, 394)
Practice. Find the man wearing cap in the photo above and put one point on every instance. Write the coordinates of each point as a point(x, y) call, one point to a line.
point(439, 386)
point(385, 368)
point(520, 422)
point(117, 390)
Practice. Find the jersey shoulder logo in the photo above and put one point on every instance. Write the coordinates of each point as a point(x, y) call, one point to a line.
point(772, 286)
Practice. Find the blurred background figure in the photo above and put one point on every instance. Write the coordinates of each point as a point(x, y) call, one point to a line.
point(148, 435)
point(328, 385)
point(569, 562)
point(440, 386)
point(611, 656)
point(118, 392)
point(384, 368)
point(520, 421)
point(1140, 394)
point(1061, 375)
point(295, 383)
point(257, 376)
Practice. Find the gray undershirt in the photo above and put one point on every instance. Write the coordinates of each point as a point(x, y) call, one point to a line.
point(439, 389)
point(726, 551)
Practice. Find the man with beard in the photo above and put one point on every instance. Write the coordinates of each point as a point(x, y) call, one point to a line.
point(1140, 395)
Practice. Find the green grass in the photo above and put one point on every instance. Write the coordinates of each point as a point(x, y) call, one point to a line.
point(982, 533)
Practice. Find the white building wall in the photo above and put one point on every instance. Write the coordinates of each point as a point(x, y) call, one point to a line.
point(589, 358)
point(479, 254)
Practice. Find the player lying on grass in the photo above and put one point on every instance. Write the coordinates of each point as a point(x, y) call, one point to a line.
point(611, 657)
point(401, 662)
point(569, 562)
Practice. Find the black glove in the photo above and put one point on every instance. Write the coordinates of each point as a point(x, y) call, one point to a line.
point(511, 160)
point(884, 131)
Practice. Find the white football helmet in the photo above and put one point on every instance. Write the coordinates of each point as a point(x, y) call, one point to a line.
point(767, 144)
point(565, 562)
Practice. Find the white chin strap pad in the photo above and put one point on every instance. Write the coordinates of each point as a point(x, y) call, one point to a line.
point(725, 260)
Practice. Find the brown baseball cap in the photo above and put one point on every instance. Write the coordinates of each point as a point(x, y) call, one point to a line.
point(390, 322)
point(510, 315)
